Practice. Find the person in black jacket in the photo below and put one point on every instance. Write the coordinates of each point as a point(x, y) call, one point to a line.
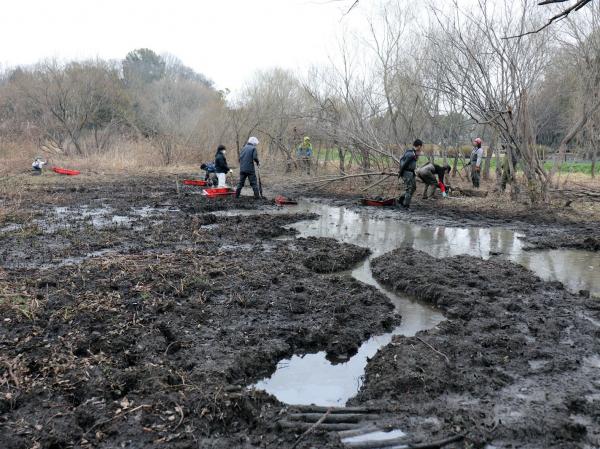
point(221, 167)
point(248, 157)
point(408, 164)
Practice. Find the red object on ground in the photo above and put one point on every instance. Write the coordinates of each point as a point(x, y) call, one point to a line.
point(282, 200)
point(442, 186)
point(64, 171)
point(379, 203)
point(194, 182)
point(219, 191)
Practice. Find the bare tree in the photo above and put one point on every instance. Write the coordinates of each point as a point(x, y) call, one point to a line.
point(492, 76)
point(74, 101)
point(581, 43)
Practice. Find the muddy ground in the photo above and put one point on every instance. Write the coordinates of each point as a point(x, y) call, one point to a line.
point(145, 332)
point(517, 363)
point(134, 314)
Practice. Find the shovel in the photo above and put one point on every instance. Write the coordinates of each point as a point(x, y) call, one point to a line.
point(259, 181)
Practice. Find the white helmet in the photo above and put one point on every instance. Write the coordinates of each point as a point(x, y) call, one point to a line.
point(253, 141)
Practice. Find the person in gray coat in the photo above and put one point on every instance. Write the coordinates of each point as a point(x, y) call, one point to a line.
point(248, 157)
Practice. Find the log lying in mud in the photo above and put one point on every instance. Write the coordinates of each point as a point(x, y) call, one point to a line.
point(332, 417)
point(301, 426)
point(360, 431)
point(376, 444)
point(321, 409)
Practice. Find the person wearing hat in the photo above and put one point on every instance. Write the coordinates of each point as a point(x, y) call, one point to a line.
point(475, 161)
point(221, 167)
point(304, 153)
point(248, 157)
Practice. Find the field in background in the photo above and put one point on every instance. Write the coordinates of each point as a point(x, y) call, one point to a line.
point(584, 167)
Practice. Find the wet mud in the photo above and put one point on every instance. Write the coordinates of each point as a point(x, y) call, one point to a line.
point(146, 332)
point(135, 312)
point(517, 363)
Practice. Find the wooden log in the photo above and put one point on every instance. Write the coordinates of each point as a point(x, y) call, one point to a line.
point(302, 426)
point(360, 431)
point(321, 409)
point(376, 444)
point(332, 418)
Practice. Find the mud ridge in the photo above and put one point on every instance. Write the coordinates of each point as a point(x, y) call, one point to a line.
point(516, 364)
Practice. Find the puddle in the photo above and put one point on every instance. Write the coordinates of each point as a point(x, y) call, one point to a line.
point(90, 255)
point(575, 269)
point(311, 378)
point(378, 436)
point(103, 217)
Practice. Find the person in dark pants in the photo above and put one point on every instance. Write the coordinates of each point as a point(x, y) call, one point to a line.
point(221, 167)
point(210, 174)
point(248, 157)
point(433, 176)
point(408, 164)
point(38, 165)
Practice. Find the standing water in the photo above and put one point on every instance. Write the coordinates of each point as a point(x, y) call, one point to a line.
point(312, 379)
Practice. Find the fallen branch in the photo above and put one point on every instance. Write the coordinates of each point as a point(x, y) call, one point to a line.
point(106, 421)
point(332, 418)
point(376, 183)
point(312, 428)
point(377, 444)
point(322, 409)
point(358, 432)
point(359, 175)
point(434, 350)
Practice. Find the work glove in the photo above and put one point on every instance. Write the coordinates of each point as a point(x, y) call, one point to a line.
point(444, 194)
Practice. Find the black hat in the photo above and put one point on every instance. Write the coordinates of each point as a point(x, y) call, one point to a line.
point(221, 148)
point(418, 143)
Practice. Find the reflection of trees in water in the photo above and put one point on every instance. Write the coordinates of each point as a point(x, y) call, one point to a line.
point(571, 267)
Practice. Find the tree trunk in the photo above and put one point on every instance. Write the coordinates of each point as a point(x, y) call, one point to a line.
point(488, 162)
point(498, 169)
point(341, 155)
point(562, 147)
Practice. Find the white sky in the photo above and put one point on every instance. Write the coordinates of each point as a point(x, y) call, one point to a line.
point(227, 40)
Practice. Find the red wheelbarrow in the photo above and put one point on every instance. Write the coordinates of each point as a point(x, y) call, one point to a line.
point(218, 191)
point(378, 202)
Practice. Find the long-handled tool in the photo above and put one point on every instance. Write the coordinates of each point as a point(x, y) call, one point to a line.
point(259, 181)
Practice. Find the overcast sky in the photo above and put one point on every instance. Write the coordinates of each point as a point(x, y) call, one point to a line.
point(227, 40)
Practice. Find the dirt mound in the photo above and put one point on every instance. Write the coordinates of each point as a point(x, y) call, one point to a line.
point(332, 256)
point(516, 362)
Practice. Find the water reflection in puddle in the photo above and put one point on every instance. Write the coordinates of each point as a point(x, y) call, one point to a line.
point(312, 379)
